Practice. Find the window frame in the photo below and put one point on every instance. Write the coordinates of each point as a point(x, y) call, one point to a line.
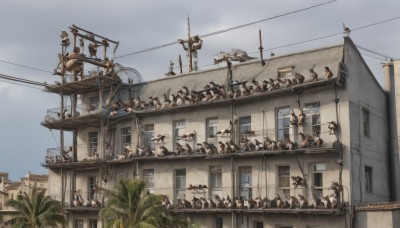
point(93, 143)
point(178, 191)
point(148, 133)
point(243, 186)
point(219, 222)
point(314, 171)
point(309, 111)
point(214, 127)
point(368, 174)
point(126, 138)
point(285, 72)
point(91, 183)
point(148, 174)
point(91, 223)
point(280, 185)
point(176, 131)
point(93, 102)
point(244, 126)
point(215, 171)
point(76, 225)
point(366, 121)
point(284, 128)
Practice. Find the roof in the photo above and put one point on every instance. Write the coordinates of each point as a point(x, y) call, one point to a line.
point(301, 61)
point(36, 176)
point(382, 206)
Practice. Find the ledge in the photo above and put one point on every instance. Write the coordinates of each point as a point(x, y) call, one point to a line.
point(94, 164)
point(93, 120)
point(319, 211)
point(82, 86)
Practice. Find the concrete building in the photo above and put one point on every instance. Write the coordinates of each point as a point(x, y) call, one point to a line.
point(354, 155)
point(11, 189)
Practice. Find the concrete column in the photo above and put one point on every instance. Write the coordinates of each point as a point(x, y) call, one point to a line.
point(392, 87)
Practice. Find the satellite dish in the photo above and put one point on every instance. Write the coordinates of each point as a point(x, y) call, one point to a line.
point(127, 75)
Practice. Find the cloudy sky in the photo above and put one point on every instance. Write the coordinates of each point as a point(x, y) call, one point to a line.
point(31, 29)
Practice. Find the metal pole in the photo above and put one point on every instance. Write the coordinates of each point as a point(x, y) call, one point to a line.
point(189, 46)
point(180, 63)
point(261, 48)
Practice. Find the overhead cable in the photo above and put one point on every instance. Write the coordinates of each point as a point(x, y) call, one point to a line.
point(228, 29)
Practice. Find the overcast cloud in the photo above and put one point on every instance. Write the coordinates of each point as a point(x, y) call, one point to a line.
point(30, 36)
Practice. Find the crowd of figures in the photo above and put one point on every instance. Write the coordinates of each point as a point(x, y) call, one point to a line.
point(205, 148)
point(212, 92)
point(329, 201)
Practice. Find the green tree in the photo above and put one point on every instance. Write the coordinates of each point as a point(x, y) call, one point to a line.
point(36, 210)
point(129, 205)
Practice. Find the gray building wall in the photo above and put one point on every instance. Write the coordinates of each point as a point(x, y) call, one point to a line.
point(364, 93)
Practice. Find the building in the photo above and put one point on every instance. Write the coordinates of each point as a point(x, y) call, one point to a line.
point(112, 140)
point(11, 189)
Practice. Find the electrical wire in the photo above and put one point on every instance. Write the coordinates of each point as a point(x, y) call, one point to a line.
point(28, 67)
point(324, 37)
point(266, 19)
point(228, 29)
point(11, 78)
point(14, 83)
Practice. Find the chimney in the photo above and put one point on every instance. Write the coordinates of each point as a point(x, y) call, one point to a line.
point(388, 76)
point(392, 88)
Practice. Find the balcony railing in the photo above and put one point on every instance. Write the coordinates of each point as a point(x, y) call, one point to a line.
point(81, 110)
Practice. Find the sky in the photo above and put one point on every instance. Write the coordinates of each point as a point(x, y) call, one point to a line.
point(31, 30)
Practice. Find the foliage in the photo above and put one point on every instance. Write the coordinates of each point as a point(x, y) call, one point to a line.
point(129, 205)
point(36, 210)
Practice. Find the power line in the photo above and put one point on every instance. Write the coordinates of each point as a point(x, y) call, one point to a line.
point(266, 19)
point(376, 53)
point(14, 83)
point(228, 29)
point(28, 67)
point(16, 79)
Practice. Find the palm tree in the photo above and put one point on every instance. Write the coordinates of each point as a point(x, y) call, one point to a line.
point(36, 210)
point(128, 205)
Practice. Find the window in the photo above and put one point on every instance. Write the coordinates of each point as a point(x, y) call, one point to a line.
point(244, 126)
point(93, 104)
point(244, 221)
point(91, 187)
point(285, 73)
point(78, 223)
point(245, 182)
point(258, 224)
point(148, 133)
point(312, 112)
point(283, 118)
point(126, 136)
point(148, 177)
point(93, 223)
point(215, 181)
point(317, 171)
point(284, 180)
point(211, 130)
point(368, 179)
point(179, 130)
point(92, 143)
point(365, 121)
point(219, 222)
point(180, 183)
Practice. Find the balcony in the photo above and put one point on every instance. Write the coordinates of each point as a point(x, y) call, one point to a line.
point(85, 116)
point(147, 109)
point(89, 83)
point(95, 163)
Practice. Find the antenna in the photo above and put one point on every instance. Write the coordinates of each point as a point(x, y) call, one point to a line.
point(261, 48)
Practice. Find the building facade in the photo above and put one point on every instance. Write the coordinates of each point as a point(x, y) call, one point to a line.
point(244, 138)
point(11, 189)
